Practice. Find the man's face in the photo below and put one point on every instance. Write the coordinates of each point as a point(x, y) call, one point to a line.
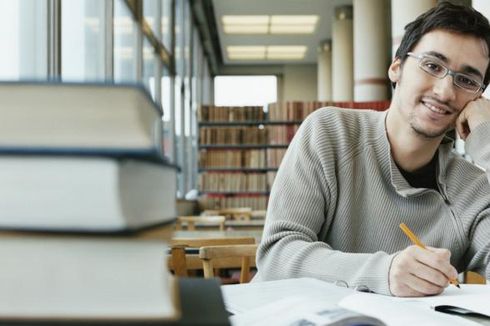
point(428, 104)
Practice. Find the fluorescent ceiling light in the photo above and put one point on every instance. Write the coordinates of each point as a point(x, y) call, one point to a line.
point(286, 49)
point(246, 29)
point(292, 29)
point(245, 20)
point(246, 56)
point(276, 24)
point(294, 20)
point(285, 56)
point(286, 52)
point(272, 52)
point(245, 48)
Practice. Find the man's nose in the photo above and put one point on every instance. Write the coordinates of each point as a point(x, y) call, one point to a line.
point(444, 88)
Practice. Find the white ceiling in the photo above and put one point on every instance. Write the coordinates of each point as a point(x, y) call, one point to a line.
point(324, 8)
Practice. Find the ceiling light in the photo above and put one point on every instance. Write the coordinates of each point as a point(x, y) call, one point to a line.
point(245, 20)
point(286, 49)
point(245, 48)
point(285, 56)
point(246, 29)
point(292, 29)
point(263, 24)
point(246, 56)
point(294, 20)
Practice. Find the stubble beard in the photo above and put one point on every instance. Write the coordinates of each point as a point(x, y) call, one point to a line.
point(426, 134)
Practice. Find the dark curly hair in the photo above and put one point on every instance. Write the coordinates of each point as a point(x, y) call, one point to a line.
point(450, 17)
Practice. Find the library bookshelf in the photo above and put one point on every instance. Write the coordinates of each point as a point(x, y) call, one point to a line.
point(241, 148)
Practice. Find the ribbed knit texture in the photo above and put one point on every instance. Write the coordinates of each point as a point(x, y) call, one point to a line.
point(338, 199)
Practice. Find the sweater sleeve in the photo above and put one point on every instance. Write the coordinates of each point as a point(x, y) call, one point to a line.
point(478, 147)
point(301, 209)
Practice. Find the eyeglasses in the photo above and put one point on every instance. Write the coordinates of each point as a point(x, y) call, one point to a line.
point(435, 67)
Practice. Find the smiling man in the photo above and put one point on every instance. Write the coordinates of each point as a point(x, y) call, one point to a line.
point(350, 177)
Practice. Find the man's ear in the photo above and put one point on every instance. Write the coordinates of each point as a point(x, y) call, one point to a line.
point(394, 71)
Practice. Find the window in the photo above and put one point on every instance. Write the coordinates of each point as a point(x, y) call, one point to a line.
point(151, 14)
point(24, 39)
point(125, 44)
point(260, 90)
point(165, 24)
point(149, 68)
point(168, 114)
point(83, 40)
point(179, 95)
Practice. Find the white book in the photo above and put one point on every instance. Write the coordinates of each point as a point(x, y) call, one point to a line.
point(78, 115)
point(101, 194)
point(62, 277)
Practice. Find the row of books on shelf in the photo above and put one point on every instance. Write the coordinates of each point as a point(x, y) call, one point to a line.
point(241, 158)
point(296, 110)
point(230, 113)
point(253, 158)
point(280, 111)
point(255, 202)
point(275, 156)
point(86, 201)
point(232, 136)
point(233, 182)
point(281, 134)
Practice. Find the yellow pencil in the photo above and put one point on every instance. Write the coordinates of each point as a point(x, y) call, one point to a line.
point(419, 243)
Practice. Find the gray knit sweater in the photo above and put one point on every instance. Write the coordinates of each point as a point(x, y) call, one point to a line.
point(338, 199)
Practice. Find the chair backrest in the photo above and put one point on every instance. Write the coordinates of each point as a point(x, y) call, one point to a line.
point(259, 214)
point(238, 213)
point(191, 221)
point(212, 254)
point(181, 259)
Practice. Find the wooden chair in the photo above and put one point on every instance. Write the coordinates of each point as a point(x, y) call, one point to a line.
point(259, 214)
point(473, 278)
point(191, 221)
point(238, 213)
point(211, 255)
point(181, 260)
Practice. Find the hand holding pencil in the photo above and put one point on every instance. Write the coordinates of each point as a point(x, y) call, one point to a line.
point(419, 270)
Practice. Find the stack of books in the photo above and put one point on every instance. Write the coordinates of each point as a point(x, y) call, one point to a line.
point(86, 204)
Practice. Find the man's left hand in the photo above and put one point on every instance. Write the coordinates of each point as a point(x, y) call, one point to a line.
point(474, 113)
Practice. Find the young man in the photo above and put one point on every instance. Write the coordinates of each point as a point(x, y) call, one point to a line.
point(350, 177)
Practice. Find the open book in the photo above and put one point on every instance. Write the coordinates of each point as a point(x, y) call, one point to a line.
point(313, 296)
point(471, 299)
point(302, 310)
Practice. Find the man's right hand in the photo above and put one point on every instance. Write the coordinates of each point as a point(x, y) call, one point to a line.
point(417, 272)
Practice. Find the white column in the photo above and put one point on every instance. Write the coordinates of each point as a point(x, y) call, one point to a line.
point(342, 53)
point(483, 6)
point(324, 72)
point(370, 50)
point(402, 13)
